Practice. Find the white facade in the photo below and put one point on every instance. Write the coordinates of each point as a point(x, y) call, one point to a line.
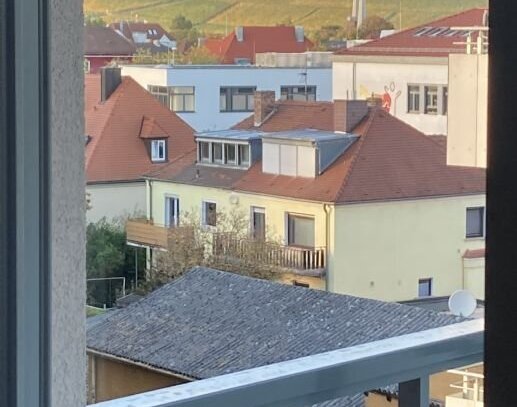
point(358, 76)
point(207, 81)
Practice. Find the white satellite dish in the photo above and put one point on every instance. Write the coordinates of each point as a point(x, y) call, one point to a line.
point(462, 303)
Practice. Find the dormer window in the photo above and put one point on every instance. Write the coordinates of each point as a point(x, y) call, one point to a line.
point(158, 153)
point(229, 148)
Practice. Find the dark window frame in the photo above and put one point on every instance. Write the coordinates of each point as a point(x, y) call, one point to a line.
point(429, 283)
point(228, 92)
point(481, 214)
point(287, 92)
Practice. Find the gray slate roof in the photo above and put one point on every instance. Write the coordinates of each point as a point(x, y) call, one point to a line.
point(209, 323)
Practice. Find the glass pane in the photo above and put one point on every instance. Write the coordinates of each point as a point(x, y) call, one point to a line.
point(180, 90)
point(217, 152)
point(222, 102)
point(188, 105)
point(239, 102)
point(177, 103)
point(210, 214)
point(301, 231)
point(424, 288)
point(259, 225)
point(244, 155)
point(474, 222)
point(204, 151)
point(431, 99)
point(230, 154)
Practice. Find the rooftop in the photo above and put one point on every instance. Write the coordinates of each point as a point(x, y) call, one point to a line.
point(119, 126)
point(311, 135)
point(435, 38)
point(231, 134)
point(209, 323)
point(105, 41)
point(390, 160)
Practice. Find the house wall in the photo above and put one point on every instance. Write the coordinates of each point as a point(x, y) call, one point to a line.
point(361, 79)
point(468, 107)
point(474, 276)
point(110, 379)
point(276, 210)
point(208, 79)
point(383, 249)
point(115, 200)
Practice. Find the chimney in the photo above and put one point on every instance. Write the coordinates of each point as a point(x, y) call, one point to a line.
point(299, 33)
point(348, 114)
point(264, 102)
point(110, 79)
point(239, 33)
point(374, 102)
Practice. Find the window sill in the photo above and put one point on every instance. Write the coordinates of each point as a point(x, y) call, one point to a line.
point(474, 238)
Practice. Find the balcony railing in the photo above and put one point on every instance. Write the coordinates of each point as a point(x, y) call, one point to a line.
point(472, 390)
point(147, 233)
point(407, 359)
point(309, 261)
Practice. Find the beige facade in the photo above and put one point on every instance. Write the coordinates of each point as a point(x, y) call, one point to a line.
point(386, 247)
point(115, 200)
point(474, 276)
point(375, 250)
point(467, 118)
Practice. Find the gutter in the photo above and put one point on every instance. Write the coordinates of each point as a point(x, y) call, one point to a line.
point(326, 208)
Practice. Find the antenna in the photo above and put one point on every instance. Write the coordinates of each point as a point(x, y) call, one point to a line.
point(462, 303)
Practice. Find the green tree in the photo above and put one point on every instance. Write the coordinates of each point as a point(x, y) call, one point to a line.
point(199, 55)
point(180, 22)
point(108, 255)
point(372, 26)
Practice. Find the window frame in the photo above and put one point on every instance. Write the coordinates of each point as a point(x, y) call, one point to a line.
point(290, 231)
point(260, 210)
point(229, 92)
point(481, 233)
point(288, 92)
point(429, 108)
point(158, 143)
point(167, 218)
point(429, 282)
point(204, 213)
point(412, 95)
point(183, 95)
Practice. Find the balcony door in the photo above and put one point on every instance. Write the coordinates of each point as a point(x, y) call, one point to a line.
point(172, 211)
point(258, 223)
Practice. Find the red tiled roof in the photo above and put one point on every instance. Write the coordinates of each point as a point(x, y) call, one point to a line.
point(256, 39)
point(474, 254)
point(116, 151)
point(405, 43)
point(390, 160)
point(105, 41)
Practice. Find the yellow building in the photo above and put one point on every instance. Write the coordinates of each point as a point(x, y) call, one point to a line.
point(364, 205)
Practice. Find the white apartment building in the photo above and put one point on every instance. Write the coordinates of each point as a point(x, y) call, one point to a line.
point(216, 97)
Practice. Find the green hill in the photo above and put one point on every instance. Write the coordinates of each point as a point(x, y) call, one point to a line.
point(217, 16)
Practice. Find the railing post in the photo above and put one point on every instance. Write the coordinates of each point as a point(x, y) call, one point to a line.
point(414, 393)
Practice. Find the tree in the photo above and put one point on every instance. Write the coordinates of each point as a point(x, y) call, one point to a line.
point(226, 247)
point(180, 22)
point(372, 26)
point(199, 55)
point(107, 255)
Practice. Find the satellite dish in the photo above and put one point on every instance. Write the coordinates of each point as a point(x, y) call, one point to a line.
point(462, 303)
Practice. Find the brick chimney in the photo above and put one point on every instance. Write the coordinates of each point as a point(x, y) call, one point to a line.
point(264, 101)
point(348, 114)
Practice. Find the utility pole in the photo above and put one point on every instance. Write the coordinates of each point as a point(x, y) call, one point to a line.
point(400, 16)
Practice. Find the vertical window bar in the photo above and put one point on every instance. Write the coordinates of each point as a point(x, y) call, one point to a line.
point(24, 204)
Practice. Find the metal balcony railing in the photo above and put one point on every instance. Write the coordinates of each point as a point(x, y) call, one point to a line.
point(407, 360)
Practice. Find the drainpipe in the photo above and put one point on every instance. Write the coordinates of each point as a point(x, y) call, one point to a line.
point(326, 208)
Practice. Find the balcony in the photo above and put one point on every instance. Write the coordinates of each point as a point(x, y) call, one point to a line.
point(146, 233)
point(301, 260)
point(472, 390)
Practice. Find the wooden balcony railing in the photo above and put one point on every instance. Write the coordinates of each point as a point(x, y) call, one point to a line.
point(146, 233)
point(291, 257)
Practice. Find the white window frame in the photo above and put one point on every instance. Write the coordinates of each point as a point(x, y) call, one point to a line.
point(428, 280)
point(176, 219)
point(254, 210)
point(288, 229)
point(155, 149)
